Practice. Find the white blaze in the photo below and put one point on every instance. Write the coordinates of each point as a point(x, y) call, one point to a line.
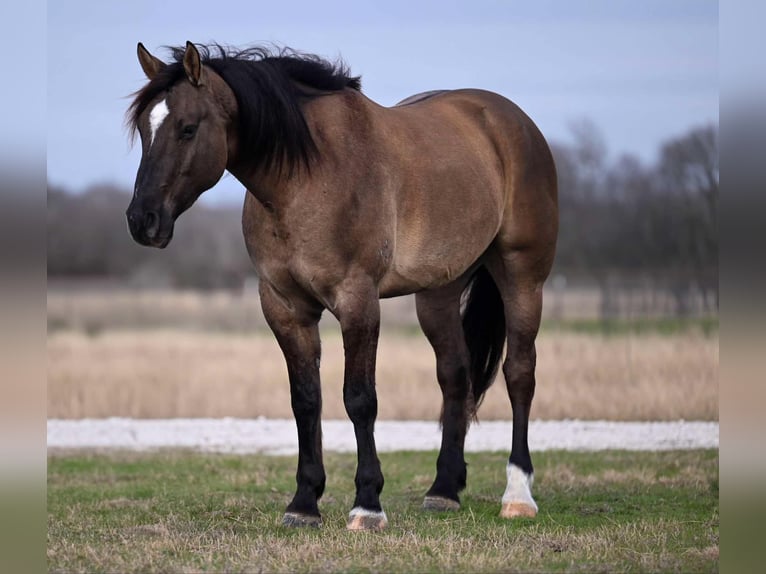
point(156, 117)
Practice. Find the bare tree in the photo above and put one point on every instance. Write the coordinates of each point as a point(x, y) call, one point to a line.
point(625, 223)
point(689, 172)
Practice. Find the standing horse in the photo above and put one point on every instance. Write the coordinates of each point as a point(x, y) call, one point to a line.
point(450, 195)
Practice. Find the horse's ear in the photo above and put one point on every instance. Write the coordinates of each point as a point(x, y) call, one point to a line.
point(149, 64)
point(193, 64)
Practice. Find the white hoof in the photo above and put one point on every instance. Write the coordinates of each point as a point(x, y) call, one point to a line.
point(517, 499)
point(362, 519)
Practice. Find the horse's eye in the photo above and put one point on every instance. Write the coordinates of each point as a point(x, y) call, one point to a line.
point(188, 131)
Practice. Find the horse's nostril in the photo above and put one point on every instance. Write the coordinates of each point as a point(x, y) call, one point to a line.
point(151, 223)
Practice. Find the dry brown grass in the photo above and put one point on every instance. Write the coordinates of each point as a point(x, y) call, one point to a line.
point(97, 310)
point(175, 373)
point(94, 309)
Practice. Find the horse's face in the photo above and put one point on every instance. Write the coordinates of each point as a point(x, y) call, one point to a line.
point(184, 149)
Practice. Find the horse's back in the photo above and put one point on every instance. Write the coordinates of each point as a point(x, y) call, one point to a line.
point(420, 97)
point(496, 129)
point(472, 166)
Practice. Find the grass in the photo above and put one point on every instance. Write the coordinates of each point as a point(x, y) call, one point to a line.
point(178, 373)
point(669, 326)
point(186, 512)
point(96, 310)
point(155, 354)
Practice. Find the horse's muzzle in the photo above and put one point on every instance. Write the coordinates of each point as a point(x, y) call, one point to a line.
point(150, 227)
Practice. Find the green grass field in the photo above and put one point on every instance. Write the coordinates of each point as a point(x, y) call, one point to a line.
point(189, 512)
point(667, 326)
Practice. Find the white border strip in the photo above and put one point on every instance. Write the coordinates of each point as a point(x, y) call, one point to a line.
point(279, 436)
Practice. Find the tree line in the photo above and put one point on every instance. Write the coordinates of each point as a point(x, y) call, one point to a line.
point(622, 222)
point(88, 237)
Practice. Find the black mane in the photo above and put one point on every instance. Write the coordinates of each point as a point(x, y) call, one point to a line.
point(270, 86)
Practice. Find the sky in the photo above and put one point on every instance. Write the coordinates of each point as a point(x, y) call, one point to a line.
point(642, 72)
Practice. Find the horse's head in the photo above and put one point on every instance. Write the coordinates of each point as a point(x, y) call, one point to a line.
point(183, 117)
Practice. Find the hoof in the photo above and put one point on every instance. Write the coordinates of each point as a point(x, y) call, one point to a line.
point(517, 500)
point(440, 504)
point(518, 509)
point(297, 520)
point(361, 519)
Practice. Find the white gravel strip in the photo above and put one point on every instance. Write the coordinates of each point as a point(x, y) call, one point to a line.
point(279, 436)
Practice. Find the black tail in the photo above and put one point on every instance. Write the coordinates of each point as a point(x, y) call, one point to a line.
point(484, 329)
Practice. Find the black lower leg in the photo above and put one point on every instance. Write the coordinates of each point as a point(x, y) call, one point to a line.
point(519, 447)
point(296, 330)
point(361, 405)
point(519, 370)
point(360, 324)
point(310, 477)
point(451, 470)
point(439, 316)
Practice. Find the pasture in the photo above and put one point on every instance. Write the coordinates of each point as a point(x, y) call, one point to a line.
point(168, 354)
point(208, 355)
point(184, 512)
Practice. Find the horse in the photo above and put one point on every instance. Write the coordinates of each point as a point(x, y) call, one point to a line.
point(450, 195)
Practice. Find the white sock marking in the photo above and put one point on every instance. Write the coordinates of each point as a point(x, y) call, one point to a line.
point(156, 117)
point(519, 488)
point(359, 511)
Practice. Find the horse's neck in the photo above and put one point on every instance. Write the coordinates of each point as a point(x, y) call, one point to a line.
point(334, 113)
point(265, 187)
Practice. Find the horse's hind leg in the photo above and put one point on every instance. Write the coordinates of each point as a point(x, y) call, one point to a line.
point(439, 316)
point(519, 277)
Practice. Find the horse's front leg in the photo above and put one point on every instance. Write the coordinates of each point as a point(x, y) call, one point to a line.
point(359, 315)
point(296, 330)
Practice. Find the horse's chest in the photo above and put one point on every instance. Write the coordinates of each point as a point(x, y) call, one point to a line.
point(297, 266)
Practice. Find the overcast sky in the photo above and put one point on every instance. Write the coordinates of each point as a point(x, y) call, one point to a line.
point(641, 71)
